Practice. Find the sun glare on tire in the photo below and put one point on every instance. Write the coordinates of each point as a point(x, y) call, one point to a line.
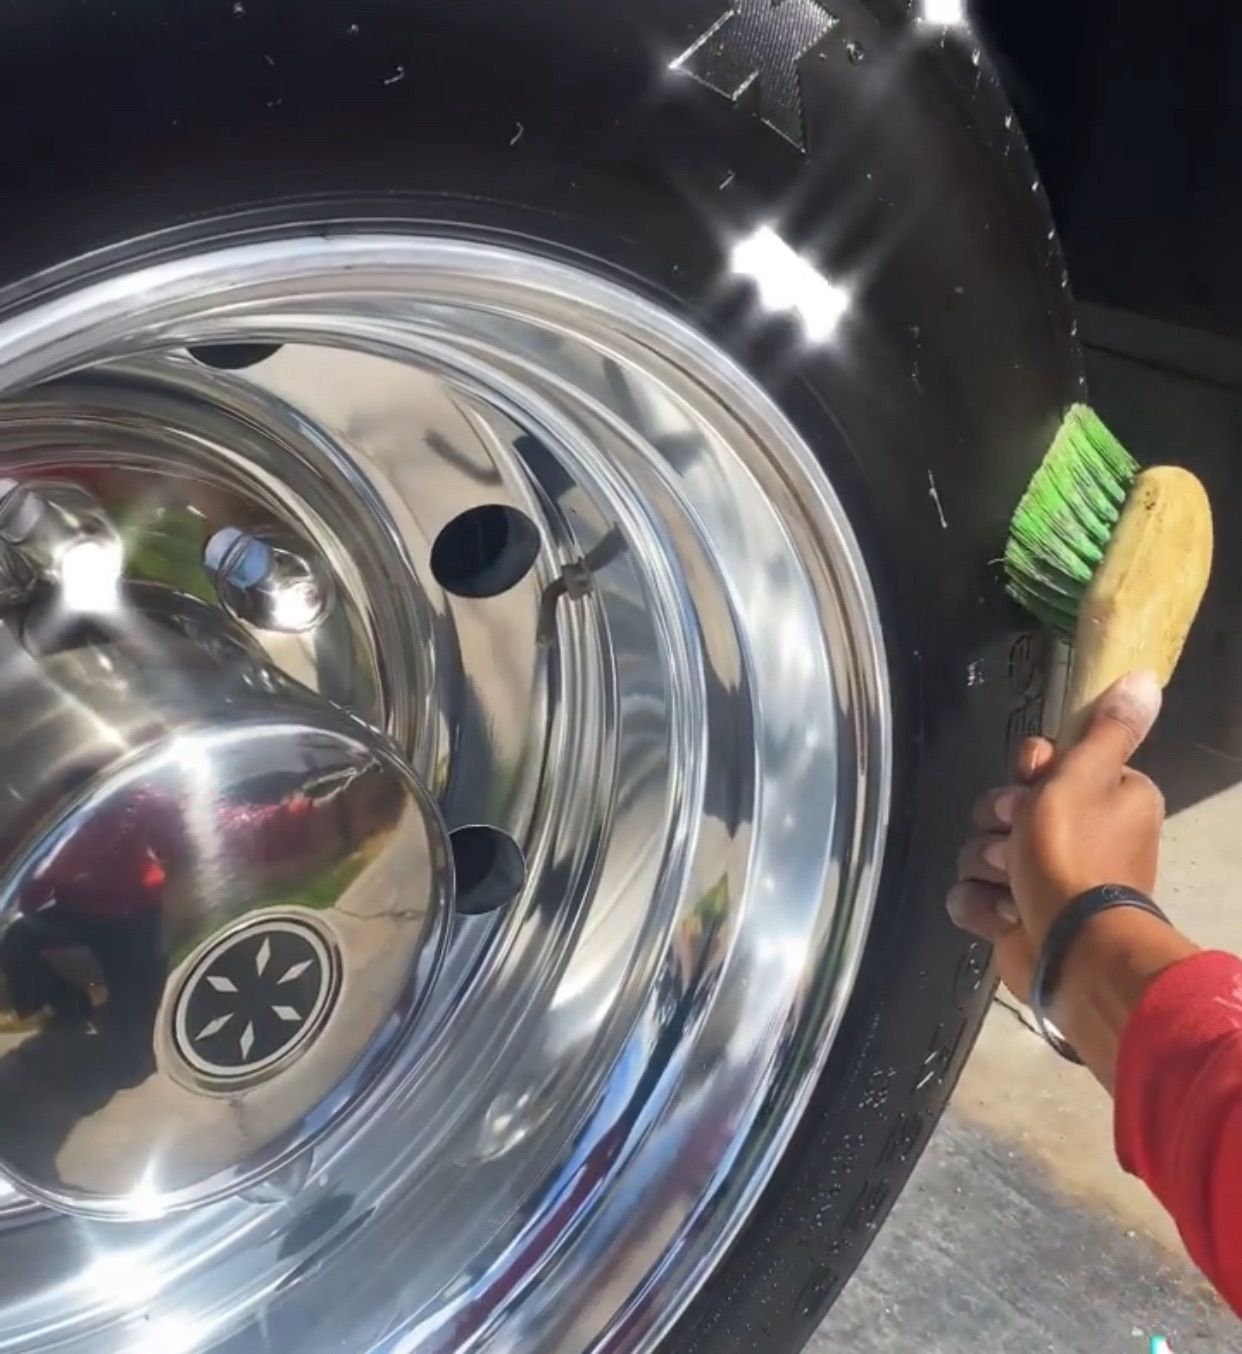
point(945, 13)
point(788, 282)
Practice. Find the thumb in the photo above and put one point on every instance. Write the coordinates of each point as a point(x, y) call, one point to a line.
point(1122, 718)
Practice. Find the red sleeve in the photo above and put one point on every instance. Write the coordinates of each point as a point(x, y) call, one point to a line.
point(275, 834)
point(161, 826)
point(1179, 1108)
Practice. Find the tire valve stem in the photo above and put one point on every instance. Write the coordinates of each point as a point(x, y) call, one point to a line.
point(576, 581)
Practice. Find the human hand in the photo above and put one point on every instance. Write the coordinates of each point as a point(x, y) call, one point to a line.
point(1068, 824)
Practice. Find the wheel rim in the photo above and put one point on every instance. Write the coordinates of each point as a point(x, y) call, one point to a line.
point(678, 714)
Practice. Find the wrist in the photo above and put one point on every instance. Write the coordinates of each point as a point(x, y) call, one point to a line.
point(1107, 969)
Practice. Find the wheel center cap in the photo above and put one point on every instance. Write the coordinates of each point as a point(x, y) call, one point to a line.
point(221, 900)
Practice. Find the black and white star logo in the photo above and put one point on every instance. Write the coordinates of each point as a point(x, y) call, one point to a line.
point(256, 997)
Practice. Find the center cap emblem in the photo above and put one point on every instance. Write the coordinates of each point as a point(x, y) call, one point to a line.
point(254, 999)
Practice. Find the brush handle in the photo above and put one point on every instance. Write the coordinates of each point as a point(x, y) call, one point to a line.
point(1145, 595)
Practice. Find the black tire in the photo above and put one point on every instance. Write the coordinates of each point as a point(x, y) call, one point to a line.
point(895, 167)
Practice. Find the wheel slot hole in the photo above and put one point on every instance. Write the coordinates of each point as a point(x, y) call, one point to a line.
point(490, 869)
point(233, 356)
point(485, 551)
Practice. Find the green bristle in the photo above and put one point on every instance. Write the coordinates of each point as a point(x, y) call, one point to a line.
point(1062, 526)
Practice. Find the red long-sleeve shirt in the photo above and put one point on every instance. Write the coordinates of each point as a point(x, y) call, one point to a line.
point(1179, 1108)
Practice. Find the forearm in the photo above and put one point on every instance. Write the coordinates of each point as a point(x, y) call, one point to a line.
point(1108, 968)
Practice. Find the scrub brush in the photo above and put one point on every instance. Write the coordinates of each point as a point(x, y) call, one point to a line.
point(1112, 557)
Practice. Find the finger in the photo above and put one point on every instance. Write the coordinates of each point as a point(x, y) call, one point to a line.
point(1122, 718)
point(1035, 756)
point(997, 810)
point(985, 910)
point(985, 858)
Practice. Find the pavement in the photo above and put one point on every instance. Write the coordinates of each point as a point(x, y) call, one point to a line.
point(1019, 1233)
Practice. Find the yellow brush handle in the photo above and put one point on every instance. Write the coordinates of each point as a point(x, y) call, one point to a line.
point(1146, 593)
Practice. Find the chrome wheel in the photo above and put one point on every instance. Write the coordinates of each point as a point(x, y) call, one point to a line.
point(598, 593)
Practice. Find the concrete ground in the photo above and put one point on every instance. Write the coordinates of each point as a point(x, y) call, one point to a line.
point(1018, 1233)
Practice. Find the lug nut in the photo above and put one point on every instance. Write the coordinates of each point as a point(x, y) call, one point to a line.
point(268, 580)
point(58, 532)
point(20, 512)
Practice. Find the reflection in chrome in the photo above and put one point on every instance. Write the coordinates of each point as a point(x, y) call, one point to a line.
point(531, 1129)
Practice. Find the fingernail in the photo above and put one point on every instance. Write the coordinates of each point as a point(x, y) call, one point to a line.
point(955, 905)
point(1007, 911)
point(1007, 806)
point(996, 854)
point(1143, 690)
